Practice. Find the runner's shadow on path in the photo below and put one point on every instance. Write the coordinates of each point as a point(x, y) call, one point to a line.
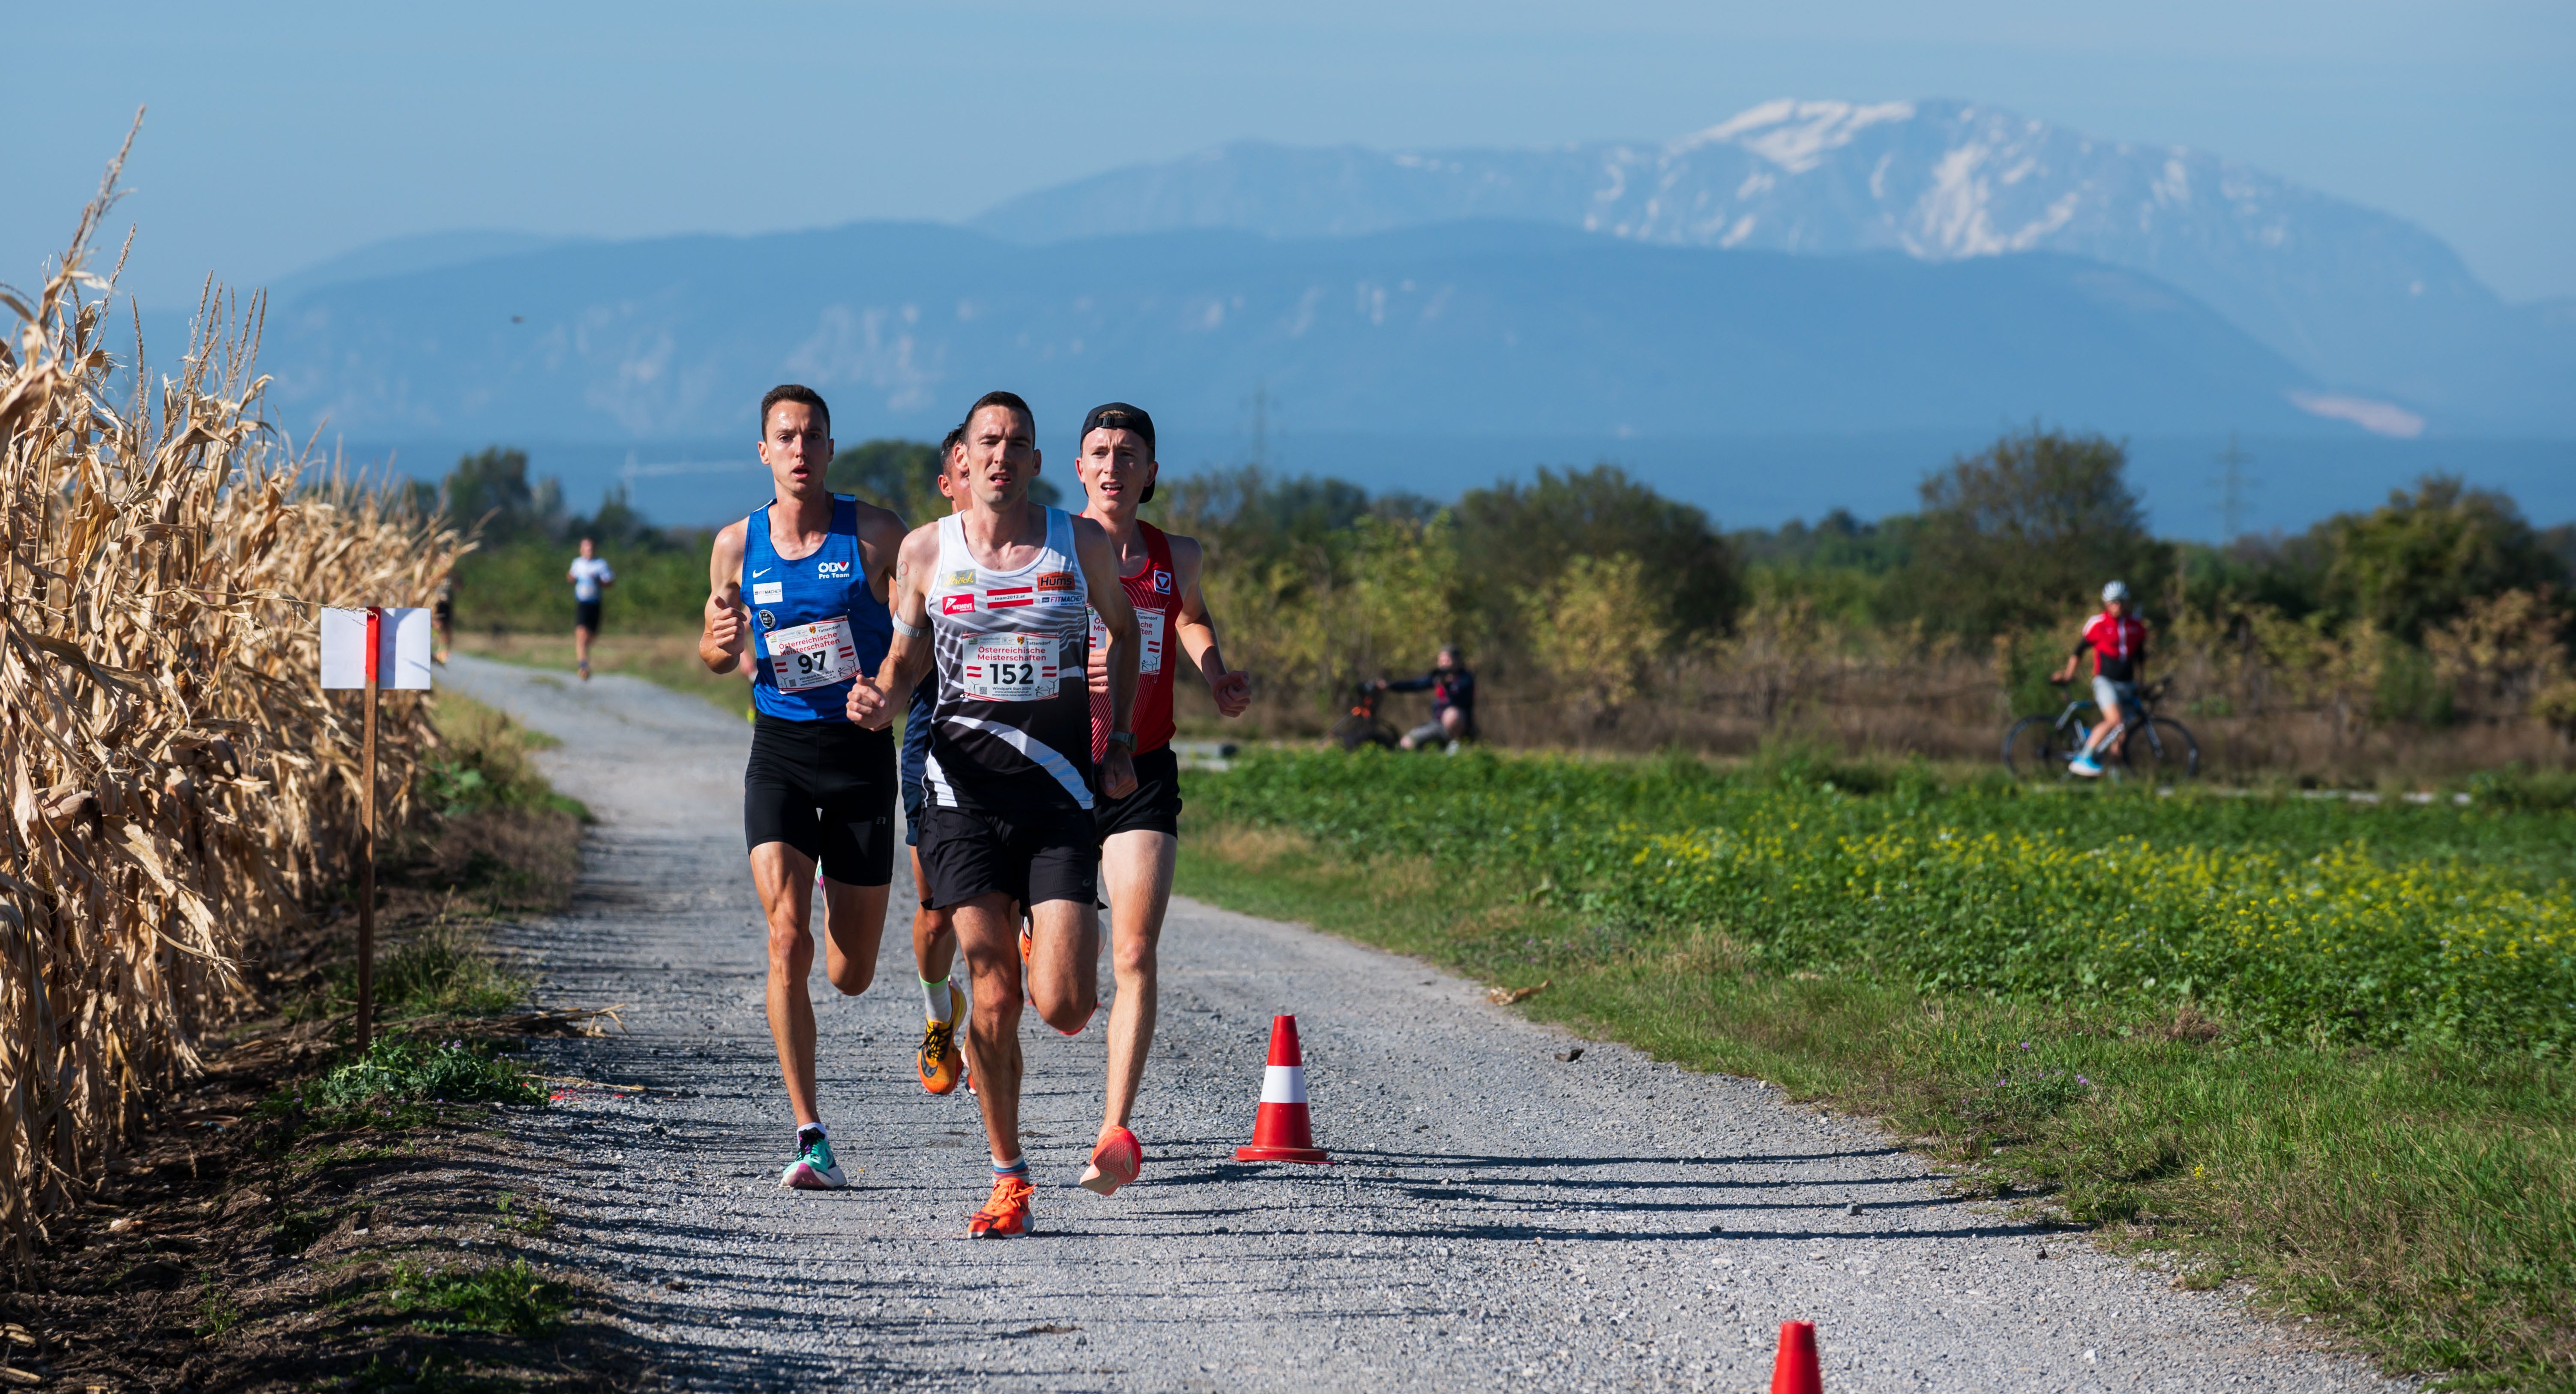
point(1361, 1166)
point(1701, 1159)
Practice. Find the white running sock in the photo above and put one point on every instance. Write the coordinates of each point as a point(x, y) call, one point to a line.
point(934, 998)
point(816, 1129)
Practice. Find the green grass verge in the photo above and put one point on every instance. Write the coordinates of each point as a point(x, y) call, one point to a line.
point(505, 1299)
point(482, 762)
point(2419, 1200)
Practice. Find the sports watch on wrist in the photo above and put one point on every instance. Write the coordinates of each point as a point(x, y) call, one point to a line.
point(1125, 738)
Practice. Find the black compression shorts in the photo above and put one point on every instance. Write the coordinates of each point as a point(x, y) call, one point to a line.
point(585, 615)
point(1154, 807)
point(825, 788)
point(1042, 855)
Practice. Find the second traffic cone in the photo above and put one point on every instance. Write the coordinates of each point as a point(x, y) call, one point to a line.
point(1281, 1132)
point(1794, 1370)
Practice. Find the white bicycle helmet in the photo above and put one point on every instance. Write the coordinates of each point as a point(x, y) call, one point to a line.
point(2117, 590)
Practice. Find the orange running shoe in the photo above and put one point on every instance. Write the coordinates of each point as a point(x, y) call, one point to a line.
point(1006, 1215)
point(1114, 1163)
point(939, 1062)
point(1028, 946)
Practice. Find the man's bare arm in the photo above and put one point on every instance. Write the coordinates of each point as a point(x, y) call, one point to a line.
point(881, 538)
point(874, 701)
point(1099, 559)
point(1196, 631)
point(726, 624)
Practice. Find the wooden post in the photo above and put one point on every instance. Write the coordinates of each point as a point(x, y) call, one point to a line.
point(367, 840)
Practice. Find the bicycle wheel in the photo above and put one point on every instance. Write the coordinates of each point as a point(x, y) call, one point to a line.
point(2031, 750)
point(1352, 732)
point(2162, 753)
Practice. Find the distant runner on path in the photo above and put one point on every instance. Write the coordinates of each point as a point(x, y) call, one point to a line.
point(1140, 834)
point(814, 567)
point(591, 577)
point(934, 932)
point(991, 600)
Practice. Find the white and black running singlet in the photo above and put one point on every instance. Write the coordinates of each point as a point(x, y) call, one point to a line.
point(1012, 728)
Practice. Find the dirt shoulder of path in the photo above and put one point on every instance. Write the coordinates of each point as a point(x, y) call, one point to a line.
point(263, 1237)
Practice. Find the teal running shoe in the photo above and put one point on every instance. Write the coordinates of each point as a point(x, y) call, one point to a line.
point(814, 1169)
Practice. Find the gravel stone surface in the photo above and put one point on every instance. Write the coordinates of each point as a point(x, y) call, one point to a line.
point(1495, 1217)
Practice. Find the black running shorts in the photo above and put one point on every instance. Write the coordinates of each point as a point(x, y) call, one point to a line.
point(585, 615)
point(825, 788)
point(1033, 857)
point(1154, 807)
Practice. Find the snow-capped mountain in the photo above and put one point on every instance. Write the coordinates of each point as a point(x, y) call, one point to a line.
point(2380, 311)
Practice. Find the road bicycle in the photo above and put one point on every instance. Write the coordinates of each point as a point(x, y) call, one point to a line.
point(2159, 750)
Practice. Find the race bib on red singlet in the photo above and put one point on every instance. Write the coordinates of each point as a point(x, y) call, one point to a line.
point(1149, 633)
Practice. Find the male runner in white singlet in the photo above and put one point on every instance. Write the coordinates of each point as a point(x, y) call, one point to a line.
point(805, 579)
point(992, 600)
point(1140, 834)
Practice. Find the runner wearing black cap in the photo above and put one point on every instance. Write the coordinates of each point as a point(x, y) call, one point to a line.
point(1140, 834)
point(990, 600)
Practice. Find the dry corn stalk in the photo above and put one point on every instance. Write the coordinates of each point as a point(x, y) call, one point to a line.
point(178, 785)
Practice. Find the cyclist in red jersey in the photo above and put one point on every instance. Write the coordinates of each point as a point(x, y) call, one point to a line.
point(1140, 834)
point(2118, 642)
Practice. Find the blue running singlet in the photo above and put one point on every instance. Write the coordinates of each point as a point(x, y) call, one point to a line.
point(818, 624)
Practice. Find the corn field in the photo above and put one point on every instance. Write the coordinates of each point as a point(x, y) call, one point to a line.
point(180, 789)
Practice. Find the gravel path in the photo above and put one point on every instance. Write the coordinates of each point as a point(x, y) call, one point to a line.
point(1497, 1217)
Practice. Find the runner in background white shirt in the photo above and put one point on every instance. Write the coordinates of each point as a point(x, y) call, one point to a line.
point(590, 575)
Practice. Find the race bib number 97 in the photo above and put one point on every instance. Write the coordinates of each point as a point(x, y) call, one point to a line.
point(1149, 632)
point(813, 655)
point(1011, 667)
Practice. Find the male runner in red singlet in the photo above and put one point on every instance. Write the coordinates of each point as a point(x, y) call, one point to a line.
point(1140, 834)
point(991, 600)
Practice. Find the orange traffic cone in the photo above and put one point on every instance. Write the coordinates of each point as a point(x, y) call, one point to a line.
point(1794, 1371)
point(1280, 1132)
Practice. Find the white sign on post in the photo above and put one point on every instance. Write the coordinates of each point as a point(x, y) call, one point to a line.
point(402, 648)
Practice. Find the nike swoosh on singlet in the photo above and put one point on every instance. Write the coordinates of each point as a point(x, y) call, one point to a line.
point(761, 572)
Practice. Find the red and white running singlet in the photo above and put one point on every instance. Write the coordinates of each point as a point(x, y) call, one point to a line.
point(1156, 594)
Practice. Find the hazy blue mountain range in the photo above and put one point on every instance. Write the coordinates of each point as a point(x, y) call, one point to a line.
point(2368, 305)
point(1485, 328)
point(1807, 306)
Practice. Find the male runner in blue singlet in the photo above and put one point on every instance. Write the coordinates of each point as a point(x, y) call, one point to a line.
point(989, 602)
point(801, 584)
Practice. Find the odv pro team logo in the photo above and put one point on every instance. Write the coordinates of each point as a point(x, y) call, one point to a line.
point(831, 570)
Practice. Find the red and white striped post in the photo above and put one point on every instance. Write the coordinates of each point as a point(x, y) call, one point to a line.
point(367, 834)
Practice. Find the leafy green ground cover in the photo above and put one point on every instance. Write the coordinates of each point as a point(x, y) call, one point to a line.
point(2313, 1046)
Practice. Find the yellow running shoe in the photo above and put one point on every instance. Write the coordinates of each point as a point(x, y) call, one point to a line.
point(940, 1062)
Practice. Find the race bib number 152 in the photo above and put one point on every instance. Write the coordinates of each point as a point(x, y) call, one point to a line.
point(1011, 667)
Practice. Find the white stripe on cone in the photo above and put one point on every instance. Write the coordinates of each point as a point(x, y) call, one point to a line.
point(1283, 1084)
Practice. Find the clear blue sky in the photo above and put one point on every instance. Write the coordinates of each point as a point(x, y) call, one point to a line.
point(280, 134)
